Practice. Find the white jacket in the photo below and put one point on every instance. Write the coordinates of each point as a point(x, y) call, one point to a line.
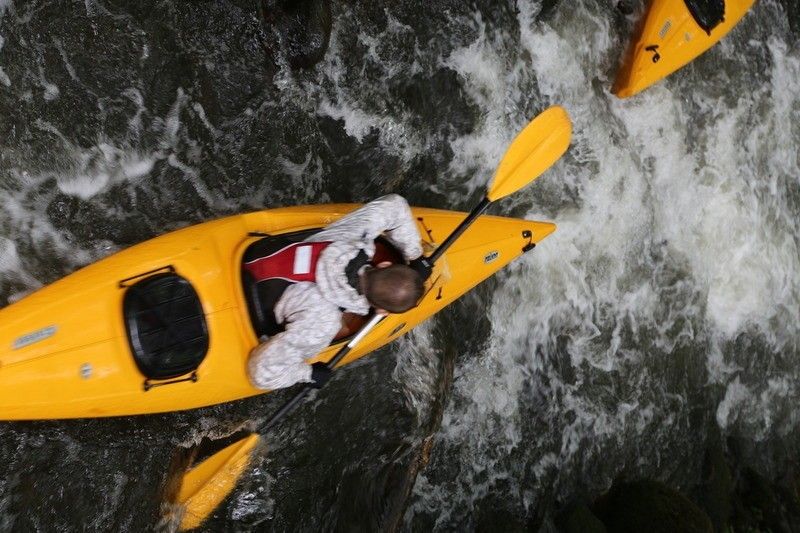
point(311, 312)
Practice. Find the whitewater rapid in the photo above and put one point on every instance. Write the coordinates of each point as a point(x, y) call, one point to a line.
point(664, 310)
point(677, 238)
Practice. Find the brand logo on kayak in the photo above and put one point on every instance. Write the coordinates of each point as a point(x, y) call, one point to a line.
point(665, 28)
point(491, 256)
point(36, 336)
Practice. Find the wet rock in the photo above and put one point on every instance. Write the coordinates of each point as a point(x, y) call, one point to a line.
point(758, 505)
point(649, 506)
point(625, 7)
point(579, 519)
point(304, 26)
point(792, 8)
point(548, 7)
point(492, 513)
point(718, 486)
point(430, 100)
point(791, 495)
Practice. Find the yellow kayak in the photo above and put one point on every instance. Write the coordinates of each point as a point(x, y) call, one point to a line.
point(165, 325)
point(672, 33)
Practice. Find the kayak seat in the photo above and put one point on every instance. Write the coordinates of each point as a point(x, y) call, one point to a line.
point(707, 13)
point(262, 296)
point(166, 327)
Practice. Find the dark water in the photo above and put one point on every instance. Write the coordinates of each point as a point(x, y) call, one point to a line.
point(660, 319)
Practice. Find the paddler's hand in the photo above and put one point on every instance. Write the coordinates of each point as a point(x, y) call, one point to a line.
point(320, 374)
point(422, 266)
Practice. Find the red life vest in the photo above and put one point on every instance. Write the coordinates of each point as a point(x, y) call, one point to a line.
point(290, 264)
point(294, 263)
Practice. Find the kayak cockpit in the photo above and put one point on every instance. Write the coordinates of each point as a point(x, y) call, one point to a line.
point(262, 296)
point(707, 13)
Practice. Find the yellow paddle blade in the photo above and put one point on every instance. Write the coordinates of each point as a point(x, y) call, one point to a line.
point(533, 151)
point(206, 485)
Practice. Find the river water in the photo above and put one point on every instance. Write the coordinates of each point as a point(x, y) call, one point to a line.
point(662, 316)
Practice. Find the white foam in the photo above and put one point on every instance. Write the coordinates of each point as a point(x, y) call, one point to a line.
point(759, 414)
point(65, 59)
point(96, 169)
point(135, 166)
point(669, 232)
point(572, 278)
point(728, 409)
point(486, 81)
point(135, 122)
point(307, 176)
point(335, 98)
point(418, 370)
point(197, 183)
point(83, 185)
point(172, 123)
point(51, 92)
point(36, 230)
point(201, 113)
point(9, 259)
point(358, 123)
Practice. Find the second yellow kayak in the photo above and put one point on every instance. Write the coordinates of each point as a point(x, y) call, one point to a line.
point(671, 35)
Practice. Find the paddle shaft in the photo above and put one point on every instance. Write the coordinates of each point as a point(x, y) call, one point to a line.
point(475, 213)
point(298, 398)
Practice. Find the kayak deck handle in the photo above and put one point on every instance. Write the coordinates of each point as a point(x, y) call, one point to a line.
point(151, 383)
point(527, 234)
point(126, 282)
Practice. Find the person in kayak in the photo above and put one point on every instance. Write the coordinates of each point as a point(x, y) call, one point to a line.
point(331, 275)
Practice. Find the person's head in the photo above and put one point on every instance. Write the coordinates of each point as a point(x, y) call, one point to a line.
point(392, 287)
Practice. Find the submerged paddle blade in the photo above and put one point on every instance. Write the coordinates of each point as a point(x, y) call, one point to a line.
point(533, 151)
point(207, 484)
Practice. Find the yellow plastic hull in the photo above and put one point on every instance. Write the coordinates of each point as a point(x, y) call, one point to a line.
point(64, 350)
point(667, 39)
point(204, 487)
